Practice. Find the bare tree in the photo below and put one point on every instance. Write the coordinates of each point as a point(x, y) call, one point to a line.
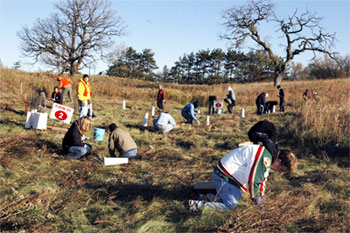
point(301, 32)
point(72, 38)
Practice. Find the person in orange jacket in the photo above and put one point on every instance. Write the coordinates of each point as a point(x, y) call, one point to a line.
point(66, 87)
point(84, 97)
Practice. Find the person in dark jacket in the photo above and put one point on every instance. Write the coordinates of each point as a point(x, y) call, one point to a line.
point(261, 103)
point(212, 98)
point(264, 132)
point(56, 96)
point(73, 140)
point(281, 95)
point(160, 98)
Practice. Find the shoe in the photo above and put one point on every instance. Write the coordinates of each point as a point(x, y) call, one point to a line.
point(193, 204)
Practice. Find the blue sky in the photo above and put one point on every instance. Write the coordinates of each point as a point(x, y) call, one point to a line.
point(171, 28)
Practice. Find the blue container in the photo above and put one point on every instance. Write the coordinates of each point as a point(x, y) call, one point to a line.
point(218, 111)
point(99, 134)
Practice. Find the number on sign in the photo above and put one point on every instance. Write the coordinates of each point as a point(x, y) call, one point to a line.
point(60, 115)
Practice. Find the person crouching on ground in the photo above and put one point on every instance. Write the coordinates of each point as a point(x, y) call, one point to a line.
point(121, 141)
point(56, 96)
point(244, 169)
point(164, 122)
point(188, 112)
point(73, 140)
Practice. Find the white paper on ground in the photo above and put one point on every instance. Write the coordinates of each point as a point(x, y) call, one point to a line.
point(115, 161)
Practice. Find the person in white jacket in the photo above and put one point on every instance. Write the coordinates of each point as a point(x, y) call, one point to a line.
point(164, 122)
point(244, 169)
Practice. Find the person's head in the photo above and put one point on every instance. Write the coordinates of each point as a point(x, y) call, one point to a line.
point(278, 86)
point(86, 78)
point(55, 89)
point(286, 161)
point(229, 89)
point(196, 104)
point(112, 127)
point(159, 87)
point(84, 124)
point(59, 78)
point(266, 95)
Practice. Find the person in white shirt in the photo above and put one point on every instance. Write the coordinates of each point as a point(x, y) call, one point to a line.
point(164, 122)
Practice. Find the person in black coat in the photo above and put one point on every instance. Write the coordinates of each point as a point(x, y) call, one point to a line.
point(264, 132)
point(72, 143)
point(261, 103)
point(56, 96)
point(212, 98)
point(281, 95)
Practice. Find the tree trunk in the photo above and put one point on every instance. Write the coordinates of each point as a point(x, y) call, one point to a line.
point(277, 80)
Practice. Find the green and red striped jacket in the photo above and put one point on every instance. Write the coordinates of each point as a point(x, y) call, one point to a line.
point(246, 167)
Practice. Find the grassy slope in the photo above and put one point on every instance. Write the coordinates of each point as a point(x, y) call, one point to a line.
point(41, 190)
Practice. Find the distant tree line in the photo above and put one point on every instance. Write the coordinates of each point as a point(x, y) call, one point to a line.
point(131, 64)
point(217, 66)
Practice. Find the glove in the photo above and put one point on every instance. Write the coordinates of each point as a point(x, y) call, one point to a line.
point(259, 201)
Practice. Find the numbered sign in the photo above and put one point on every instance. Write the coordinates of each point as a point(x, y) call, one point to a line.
point(61, 113)
point(218, 103)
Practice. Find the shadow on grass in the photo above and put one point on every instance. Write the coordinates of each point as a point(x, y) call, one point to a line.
point(130, 191)
point(9, 122)
point(7, 108)
point(141, 128)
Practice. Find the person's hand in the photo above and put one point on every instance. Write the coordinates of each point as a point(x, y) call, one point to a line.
point(198, 122)
point(163, 101)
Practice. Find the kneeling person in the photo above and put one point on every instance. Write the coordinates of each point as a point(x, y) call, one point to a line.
point(73, 140)
point(164, 122)
point(121, 141)
point(245, 169)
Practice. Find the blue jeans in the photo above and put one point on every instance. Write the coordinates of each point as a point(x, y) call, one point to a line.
point(79, 151)
point(187, 116)
point(228, 193)
point(129, 154)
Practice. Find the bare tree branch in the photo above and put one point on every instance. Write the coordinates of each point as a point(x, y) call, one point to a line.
point(301, 32)
point(72, 38)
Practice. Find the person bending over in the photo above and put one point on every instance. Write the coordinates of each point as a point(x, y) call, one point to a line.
point(121, 141)
point(164, 122)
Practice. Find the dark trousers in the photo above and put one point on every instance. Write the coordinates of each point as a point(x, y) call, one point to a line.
point(281, 105)
point(211, 107)
point(160, 104)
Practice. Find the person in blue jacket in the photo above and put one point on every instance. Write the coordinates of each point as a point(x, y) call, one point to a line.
point(188, 112)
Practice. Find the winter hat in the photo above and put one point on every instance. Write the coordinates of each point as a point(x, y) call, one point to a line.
point(112, 127)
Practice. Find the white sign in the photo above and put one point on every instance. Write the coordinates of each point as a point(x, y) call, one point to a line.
point(218, 103)
point(115, 161)
point(61, 113)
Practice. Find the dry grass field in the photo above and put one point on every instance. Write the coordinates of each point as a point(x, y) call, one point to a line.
point(43, 191)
